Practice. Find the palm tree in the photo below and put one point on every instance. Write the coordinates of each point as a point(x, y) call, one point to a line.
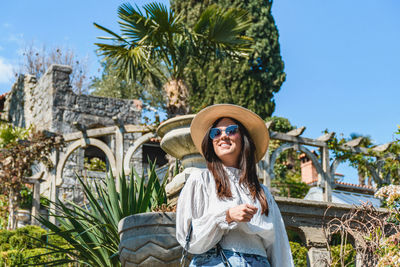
point(158, 45)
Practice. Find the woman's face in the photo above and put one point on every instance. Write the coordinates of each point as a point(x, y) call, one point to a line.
point(227, 148)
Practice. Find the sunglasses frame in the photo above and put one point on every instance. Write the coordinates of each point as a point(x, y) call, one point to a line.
point(230, 130)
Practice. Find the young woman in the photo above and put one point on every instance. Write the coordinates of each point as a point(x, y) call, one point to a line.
point(234, 219)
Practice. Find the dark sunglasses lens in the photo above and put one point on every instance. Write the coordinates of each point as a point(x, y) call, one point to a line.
point(231, 130)
point(214, 132)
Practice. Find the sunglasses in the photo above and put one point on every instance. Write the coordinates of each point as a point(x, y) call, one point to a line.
point(229, 131)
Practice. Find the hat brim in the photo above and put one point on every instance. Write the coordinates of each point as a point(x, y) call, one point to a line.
point(252, 122)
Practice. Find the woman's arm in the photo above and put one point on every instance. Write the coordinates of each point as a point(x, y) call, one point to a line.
point(209, 224)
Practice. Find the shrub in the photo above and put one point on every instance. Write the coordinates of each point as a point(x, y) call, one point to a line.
point(4, 239)
point(27, 257)
point(22, 238)
point(299, 254)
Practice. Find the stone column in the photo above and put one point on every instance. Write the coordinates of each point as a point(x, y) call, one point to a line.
point(318, 254)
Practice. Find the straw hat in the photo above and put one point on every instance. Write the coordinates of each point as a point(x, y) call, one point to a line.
point(251, 121)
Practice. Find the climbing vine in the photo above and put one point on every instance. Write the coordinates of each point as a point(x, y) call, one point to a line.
point(16, 159)
point(385, 161)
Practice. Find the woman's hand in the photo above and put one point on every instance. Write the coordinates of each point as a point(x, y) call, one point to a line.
point(241, 213)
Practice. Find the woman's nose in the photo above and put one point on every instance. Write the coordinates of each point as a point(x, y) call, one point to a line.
point(223, 134)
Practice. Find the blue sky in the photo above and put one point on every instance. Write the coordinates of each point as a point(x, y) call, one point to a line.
point(341, 57)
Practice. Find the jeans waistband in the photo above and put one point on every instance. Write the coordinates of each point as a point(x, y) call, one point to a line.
point(231, 253)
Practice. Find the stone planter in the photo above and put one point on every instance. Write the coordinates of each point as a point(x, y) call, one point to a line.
point(177, 142)
point(23, 217)
point(148, 239)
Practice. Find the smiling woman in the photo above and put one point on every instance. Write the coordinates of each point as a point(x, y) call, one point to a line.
point(224, 215)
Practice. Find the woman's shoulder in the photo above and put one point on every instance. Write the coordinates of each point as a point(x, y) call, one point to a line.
point(199, 176)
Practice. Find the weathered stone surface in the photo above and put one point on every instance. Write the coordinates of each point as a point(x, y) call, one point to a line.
point(50, 104)
point(149, 240)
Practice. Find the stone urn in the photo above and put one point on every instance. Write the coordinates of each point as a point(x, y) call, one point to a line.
point(148, 239)
point(23, 217)
point(177, 142)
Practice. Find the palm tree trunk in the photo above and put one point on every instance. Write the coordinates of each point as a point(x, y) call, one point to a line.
point(177, 97)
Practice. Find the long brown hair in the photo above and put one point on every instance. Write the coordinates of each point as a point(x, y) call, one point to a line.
point(247, 164)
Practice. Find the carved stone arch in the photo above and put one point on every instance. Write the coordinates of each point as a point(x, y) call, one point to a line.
point(300, 233)
point(334, 165)
point(83, 143)
point(132, 149)
point(279, 150)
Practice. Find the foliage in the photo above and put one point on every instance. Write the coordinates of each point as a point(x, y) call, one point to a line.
point(92, 230)
point(376, 232)
point(95, 164)
point(26, 197)
point(250, 82)
point(16, 159)
point(299, 254)
point(287, 167)
point(385, 164)
point(28, 257)
point(10, 134)
point(36, 61)
point(156, 46)
point(3, 211)
point(22, 237)
point(18, 247)
point(113, 84)
point(342, 255)
point(389, 250)
point(26, 238)
point(291, 186)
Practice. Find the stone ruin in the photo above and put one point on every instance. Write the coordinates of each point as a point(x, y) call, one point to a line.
point(50, 104)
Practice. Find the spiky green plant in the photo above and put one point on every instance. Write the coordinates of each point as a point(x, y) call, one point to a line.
point(92, 230)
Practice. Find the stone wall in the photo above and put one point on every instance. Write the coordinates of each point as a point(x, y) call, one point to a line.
point(50, 104)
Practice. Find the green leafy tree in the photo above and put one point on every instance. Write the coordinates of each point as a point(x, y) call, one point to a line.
point(112, 83)
point(387, 161)
point(249, 82)
point(157, 44)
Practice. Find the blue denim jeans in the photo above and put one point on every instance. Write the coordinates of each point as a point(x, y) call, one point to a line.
point(236, 259)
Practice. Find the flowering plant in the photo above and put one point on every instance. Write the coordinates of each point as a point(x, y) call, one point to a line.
point(389, 251)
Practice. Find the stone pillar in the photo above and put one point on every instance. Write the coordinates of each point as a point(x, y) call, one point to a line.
point(318, 254)
point(327, 175)
point(35, 202)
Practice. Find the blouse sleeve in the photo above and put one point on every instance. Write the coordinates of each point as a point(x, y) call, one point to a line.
point(278, 251)
point(208, 226)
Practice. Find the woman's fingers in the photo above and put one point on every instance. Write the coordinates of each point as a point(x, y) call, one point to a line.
point(241, 213)
point(252, 208)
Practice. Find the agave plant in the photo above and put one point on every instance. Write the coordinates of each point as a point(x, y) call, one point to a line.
point(91, 231)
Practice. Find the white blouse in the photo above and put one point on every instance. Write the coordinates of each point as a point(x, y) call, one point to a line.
point(199, 203)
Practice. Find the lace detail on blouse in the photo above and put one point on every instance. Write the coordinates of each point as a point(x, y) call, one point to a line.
point(199, 203)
